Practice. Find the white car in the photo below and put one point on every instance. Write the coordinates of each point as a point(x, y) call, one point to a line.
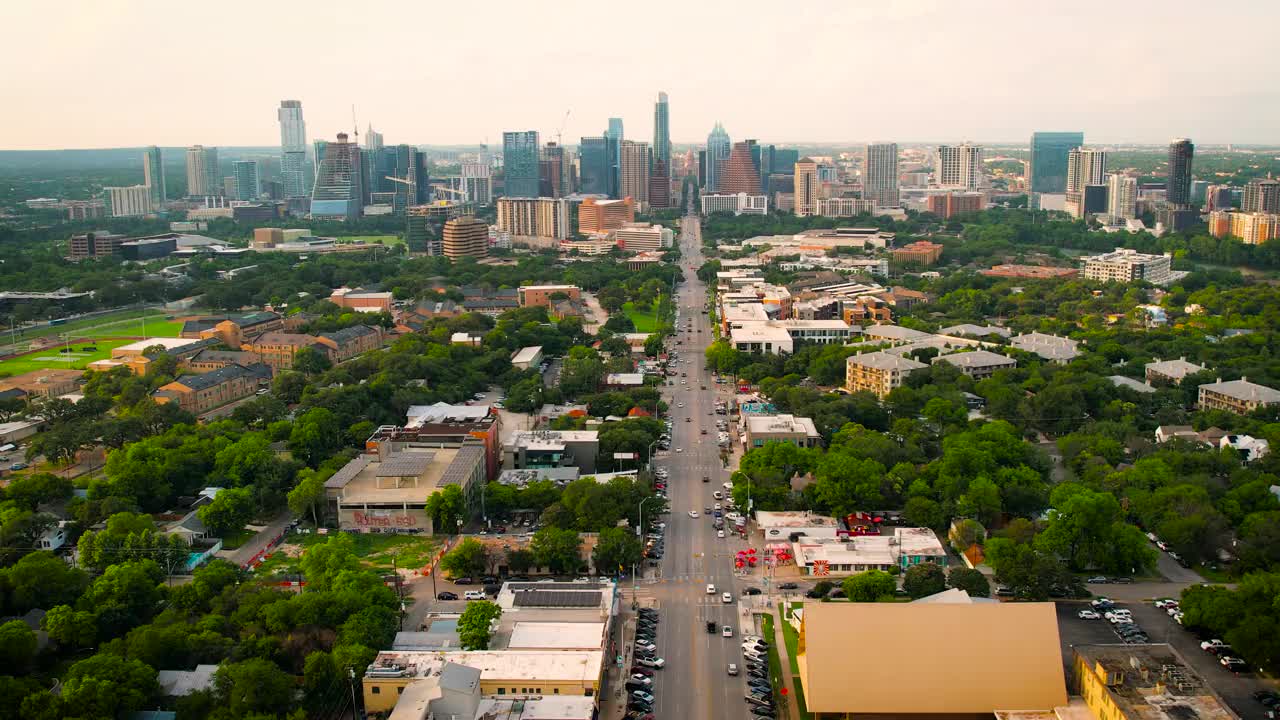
point(711, 589)
point(693, 513)
point(727, 631)
point(679, 450)
point(717, 495)
point(1088, 615)
point(1118, 617)
point(726, 597)
point(720, 534)
point(727, 486)
point(1163, 603)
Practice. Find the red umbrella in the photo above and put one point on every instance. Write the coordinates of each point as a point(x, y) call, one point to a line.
point(751, 551)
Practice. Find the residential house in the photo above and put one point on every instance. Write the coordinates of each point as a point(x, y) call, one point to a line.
point(978, 364)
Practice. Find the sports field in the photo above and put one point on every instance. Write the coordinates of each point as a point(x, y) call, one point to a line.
point(102, 337)
point(383, 239)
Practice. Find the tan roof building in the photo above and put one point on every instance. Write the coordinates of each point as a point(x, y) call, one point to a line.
point(938, 659)
point(878, 372)
point(44, 383)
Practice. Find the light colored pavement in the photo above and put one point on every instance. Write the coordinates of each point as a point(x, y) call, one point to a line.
point(259, 542)
point(694, 683)
point(784, 660)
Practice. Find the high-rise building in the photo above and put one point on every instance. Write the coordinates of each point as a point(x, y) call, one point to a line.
point(372, 139)
point(129, 201)
point(293, 149)
point(465, 236)
point(1086, 169)
point(662, 131)
point(718, 148)
point(520, 162)
point(1218, 197)
point(477, 183)
point(634, 172)
point(339, 191)
point(544, 217)
point(959, 166)
point(740, 174)
point(659, 185)
point(153, 175)
point(614, 137)
point(1048, 166)
point(807, 187)
point(1261, 195)
point(600, 216)
point(410, 167)
point(880, 175)
point(1178, 189)
point(1122, 196)
point(593, 165)
point(551, 172)
point(248, 181)
point(203, 177)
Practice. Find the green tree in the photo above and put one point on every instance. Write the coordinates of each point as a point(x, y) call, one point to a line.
point(446, 507)
point(70, 627)
point(254, 687)
point(468, 558)
point(474, 624)
point(653, 345)
point(971, 581)
point(374, 627)
point(869, 586)
point(323, 563)
point(230, 510)
point(308, 495)
point(310, 361)
point(17, 646)
point(923, 512)
point(520, 561)
point(316, 434)
point(106, 685)
point(41, 580)
point(557, 550)
point(616, 549)
point(924, 579)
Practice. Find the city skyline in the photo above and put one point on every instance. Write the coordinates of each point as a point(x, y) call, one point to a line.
point(1180, 96)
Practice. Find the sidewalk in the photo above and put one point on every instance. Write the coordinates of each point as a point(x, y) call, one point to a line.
point(784, 659)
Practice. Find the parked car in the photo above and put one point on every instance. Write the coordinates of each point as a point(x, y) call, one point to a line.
point(1097, 580)
point(464, 581)
point(655, 662)
point(751, 591)
point(1234, 664)
point(788, 586)
point(1212, 645)
point(1163, 603)
point(447, 596)
point(1088, 615)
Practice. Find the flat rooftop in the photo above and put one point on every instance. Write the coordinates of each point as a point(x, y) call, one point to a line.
point(557, 636)
point(793, 519)
point(139, 346)
point(1153, 682)
point(410, 476)
point(547, 666)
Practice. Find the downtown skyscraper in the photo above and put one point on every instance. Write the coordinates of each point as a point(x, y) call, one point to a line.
point(293, 148)
point(1178, 190)
point(520, 153)
point(153, 175)
point(880, 175)
point(662, 131)
point(718, 148)
point(958, 166)
point(203, 176)
point(613, 139)
point(339, 186)
point(634, 172)
point(1048, 166)
point(593, 165)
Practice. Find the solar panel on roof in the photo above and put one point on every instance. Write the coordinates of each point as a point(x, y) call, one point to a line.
point(557, 598)
point(405, 464)
point(348, 472)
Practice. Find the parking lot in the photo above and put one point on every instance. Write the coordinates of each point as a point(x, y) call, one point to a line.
point(1236, 690)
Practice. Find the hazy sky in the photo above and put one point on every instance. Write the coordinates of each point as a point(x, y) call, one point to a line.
point(113, 73)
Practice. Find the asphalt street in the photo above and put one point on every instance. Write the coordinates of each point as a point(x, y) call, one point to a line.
point(694, 682)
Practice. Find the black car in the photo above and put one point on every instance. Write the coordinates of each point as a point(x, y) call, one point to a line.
point(488, 579)
point(648, 611)
point(815, 594)
point(763, 712)
point(751, 591)
point(760, 683)
point(464, 581)
point(640, 705)
point(1268, 698)
point(788, 586)
point(447, 596)
point(711, 627)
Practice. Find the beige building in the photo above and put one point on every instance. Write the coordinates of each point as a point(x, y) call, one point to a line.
point(979, 363)
point(878, 372)
point(808, 189)
point(1237, 396)
point(1142, 682)
point(633, 171)
point(761, 429)
point(1126, 265)
point(465, 237)
point(1171, 371)
point(43, 383)
point(930, 660)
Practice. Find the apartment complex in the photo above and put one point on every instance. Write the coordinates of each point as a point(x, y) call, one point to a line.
point(1049, 347)
point(465, 237)
point(1237, 396)
point(1261, 195)
point(520, 152)
point(878, 372)
point(978, 364)
point(601, 216)
point(1171, 372)
point(950, 204)
point(633, 171)
point(807, 187)
point(880, 175)
point(958, 166)
point(131, 201)
point(1126, 265)
point(1253, 228)
point(544, 217)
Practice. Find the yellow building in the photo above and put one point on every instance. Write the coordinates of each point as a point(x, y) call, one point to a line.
point(1136, 682)
point(935, 659)
point(878, 372)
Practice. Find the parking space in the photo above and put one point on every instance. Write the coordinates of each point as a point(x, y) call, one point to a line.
point(1235, 689)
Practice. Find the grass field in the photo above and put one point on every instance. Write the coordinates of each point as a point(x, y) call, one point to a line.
point(377, 551)
point(54, 358)
point(792, 638)
point(645, 322)
point(104, 325)
point(383, 239)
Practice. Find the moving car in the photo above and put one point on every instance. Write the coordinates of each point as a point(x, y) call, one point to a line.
point(751, 591)
point(788, 586)
point(711, 627)
point(726, 597)
point(474, 595)
point(655, 662)
point(693, 514)
point(733, 669)
point(727, 631)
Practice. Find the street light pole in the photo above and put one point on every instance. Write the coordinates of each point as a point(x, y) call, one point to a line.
point(648, 455)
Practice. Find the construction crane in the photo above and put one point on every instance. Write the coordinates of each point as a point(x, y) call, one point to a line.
point(448, 189)
point(560, 130)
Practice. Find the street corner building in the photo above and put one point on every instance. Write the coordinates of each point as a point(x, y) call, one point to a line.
point(929, 660)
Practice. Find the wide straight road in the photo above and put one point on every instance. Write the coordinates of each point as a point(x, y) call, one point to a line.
point(695, 683)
